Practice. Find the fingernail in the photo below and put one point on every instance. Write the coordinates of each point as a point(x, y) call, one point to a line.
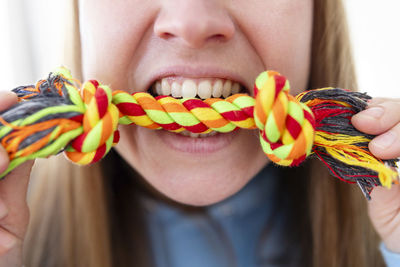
point(374, 112)
point(385, 140)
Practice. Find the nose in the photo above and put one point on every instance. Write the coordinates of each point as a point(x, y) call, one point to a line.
point(194, 23)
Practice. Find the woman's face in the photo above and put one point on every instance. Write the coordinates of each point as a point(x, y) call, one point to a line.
point(189, 46)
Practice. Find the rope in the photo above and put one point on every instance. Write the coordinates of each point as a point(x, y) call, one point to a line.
point(60, 114)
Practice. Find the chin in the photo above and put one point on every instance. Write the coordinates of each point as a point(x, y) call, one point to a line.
point(193, 170)
point(199, 188)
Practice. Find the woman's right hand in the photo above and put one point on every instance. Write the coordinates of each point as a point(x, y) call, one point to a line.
point(14, 212)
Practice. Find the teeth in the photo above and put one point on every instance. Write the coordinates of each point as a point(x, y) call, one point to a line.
point(217, 89)
point(165, 87)
point(189, 88)
point(176, 89)
point(204, 90)
point(208, 134)
point(197, 135)
point(185, 133)
point(226, 91)
point(158, 88)
point(235, 88)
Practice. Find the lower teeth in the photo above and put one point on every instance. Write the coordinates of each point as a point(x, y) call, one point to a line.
point(197, 135)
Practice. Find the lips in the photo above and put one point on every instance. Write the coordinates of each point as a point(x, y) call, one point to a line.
point(188, 82)
point(200, 146)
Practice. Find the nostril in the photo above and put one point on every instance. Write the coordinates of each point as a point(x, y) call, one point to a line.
point(166, 35)
point(194, 24)
point(218, 38)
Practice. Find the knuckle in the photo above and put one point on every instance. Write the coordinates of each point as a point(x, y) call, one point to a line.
point(396, 131)
point(7, 99)
point(392, 105)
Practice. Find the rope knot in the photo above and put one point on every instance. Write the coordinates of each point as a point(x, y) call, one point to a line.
point(286, 125)
point(99, 122)
point(55, 115)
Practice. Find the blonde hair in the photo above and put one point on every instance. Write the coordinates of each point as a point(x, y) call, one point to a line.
point(75, 218)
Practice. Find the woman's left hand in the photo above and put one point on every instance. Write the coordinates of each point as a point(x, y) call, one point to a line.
point(382, 118)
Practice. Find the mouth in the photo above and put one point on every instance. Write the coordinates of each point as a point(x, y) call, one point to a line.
point(202, 88)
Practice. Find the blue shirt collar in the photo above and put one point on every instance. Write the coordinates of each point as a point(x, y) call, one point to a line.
point(259, 191)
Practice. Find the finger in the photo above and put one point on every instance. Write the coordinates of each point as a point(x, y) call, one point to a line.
point(386, 145)
point(384, 212)
point(17, 180)
point(13, 189)
point(8, 241)
point(384, 200)
point(378, 100)
point(7, 99)
point(4, 159)
point(377, 118)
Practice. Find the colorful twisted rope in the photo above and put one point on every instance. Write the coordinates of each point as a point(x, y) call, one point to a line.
point(55, 115)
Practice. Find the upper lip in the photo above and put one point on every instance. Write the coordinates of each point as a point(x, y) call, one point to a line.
point(197, 72)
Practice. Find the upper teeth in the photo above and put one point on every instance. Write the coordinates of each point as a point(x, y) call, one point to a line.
point(190, 88)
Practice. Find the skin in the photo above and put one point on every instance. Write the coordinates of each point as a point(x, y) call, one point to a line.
point(154, 34)
point(125, 42)
point(382, 118)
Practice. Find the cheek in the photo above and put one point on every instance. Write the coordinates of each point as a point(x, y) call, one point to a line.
point(192, 179)
point(282, 39)
point(110, 34)
point(281, 33)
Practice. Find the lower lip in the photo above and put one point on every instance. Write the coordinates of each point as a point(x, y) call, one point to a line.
point(199, 145)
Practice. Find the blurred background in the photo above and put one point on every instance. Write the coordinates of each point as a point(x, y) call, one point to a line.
point(32, 34)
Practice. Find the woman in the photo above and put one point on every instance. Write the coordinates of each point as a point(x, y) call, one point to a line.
point(119, 212)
